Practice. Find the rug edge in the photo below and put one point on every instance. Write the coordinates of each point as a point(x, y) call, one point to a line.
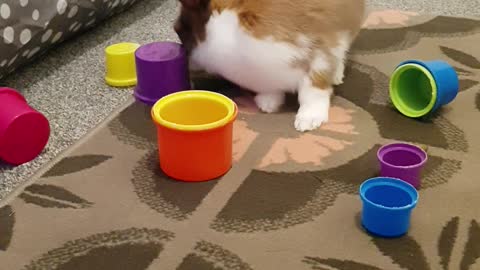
point(47, 166)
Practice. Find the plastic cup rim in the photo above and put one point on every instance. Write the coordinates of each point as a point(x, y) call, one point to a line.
point(179, 56)
point(134, 45)
point(389, 181)
point(397, 101)
point(382, 151)
point(8, 90)
point(213, 96)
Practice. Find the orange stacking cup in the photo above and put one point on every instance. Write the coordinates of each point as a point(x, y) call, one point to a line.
point(195, 133)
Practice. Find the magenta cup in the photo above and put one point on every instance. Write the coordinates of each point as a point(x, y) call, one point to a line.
point(403, 161)
point(24, 132)
point(162, 69)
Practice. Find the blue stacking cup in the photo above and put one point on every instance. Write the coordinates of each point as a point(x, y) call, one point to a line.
point(387, 206)
point(418, 88)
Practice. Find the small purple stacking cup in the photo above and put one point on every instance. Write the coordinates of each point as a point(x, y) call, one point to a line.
point(403, 161)
point(162, 69)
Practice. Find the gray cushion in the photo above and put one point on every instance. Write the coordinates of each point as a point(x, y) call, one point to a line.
point(30, 27)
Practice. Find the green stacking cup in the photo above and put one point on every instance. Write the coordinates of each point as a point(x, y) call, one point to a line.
point(418, 88)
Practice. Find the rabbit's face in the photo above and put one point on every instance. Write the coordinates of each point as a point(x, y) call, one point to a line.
point(190, 25)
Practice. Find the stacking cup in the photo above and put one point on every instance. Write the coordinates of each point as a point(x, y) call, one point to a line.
point(420, 88)
point(162, 69)
point(195, 133)
point(403, 161)
point(387, 204)
point(120, 64)
point(24, 132)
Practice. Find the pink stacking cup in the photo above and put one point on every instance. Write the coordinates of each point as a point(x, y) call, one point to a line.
point(24, 132)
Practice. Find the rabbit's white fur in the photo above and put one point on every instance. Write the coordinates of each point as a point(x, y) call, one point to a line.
point(265, 64)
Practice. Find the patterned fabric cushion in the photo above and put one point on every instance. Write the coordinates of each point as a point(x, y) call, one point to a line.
point(30, 27)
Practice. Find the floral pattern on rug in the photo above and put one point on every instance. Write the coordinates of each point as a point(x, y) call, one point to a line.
point(408, 254)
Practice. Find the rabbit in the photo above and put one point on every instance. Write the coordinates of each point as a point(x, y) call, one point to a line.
point(273, 47)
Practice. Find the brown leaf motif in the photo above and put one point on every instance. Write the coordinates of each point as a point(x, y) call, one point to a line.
point(50, 196)
point(209, 256)
point(317, 263)
point(471, 254)
point(174, 199)
point(7, 221)
point(132, 249)
point(477, 102)
point(461, 57)
point(468, 78)
point(407, 253)
point(260, 205)
point(75, 164)
point(374, 41)
point(466, 84)
point(134, 126)
point(448, 236)
point(462, 72)
point(194, 261)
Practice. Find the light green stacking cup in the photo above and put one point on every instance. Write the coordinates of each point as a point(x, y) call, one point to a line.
point(418, 88)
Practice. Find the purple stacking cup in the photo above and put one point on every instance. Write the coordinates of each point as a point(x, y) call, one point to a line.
point(403, 161)
point(162, 69)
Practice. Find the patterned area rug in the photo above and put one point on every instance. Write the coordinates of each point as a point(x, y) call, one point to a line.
point(290, 201)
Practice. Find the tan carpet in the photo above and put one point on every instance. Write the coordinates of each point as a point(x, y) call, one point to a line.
point(290, 200)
